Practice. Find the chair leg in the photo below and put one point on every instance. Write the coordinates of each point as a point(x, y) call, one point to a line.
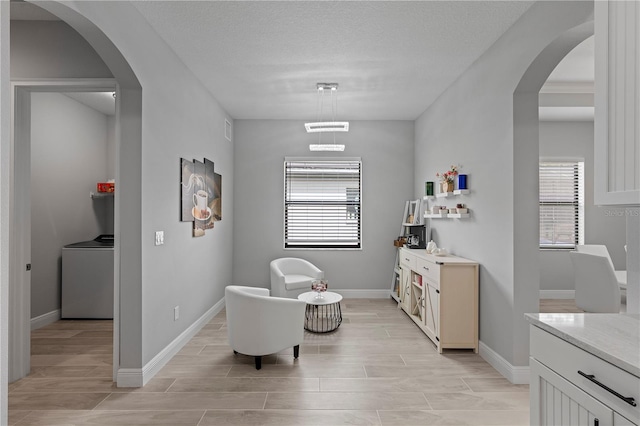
point(258, 362)
point(296, 351)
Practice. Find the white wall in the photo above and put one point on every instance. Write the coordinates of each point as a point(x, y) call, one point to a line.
point(602, 224)
point(471, 124)
point(386, 149)
point(68, 157)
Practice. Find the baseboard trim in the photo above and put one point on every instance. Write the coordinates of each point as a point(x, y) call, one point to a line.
point(515, 374)
point(362, 294)
point(129, 378)
point(138, 377)
point(557, 294)
point(45, 319)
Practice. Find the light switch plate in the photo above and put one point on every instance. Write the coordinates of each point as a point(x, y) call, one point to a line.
point(159, 238)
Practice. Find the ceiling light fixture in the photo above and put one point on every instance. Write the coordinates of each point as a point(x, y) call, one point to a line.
point(326, 147)
point(327, 126)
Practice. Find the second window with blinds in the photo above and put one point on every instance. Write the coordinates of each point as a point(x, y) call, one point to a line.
point(561, 204)
point(322, 203)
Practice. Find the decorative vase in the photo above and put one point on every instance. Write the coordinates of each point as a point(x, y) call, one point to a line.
point(447, 186)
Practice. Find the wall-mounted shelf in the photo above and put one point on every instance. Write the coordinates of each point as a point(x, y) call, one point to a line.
point(458, 215)
point(446, 216)
point(95, 195)
point(446, 194)
point(452, 194)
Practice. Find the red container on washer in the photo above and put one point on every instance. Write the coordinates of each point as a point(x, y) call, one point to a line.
point(106, 187)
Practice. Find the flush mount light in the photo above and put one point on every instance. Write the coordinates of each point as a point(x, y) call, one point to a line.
point(329, 125)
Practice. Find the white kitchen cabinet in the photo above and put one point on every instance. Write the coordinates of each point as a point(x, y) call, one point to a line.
point(570, 386)
point(443, 298)
point(617, 103)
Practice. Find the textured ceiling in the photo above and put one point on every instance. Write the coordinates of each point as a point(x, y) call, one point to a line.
point(392, 59)
point(262, 59)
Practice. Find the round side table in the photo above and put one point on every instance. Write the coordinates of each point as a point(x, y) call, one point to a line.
point(323, 314)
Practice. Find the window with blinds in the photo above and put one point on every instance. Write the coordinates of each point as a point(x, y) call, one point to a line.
point(561, 204)
point(322, 203)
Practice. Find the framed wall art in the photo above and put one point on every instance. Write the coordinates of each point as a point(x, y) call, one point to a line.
point(200, 195)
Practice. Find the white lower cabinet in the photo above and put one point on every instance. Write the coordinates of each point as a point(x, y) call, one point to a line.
point(569, 386)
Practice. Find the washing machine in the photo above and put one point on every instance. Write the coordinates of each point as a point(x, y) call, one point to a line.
point(87, 279)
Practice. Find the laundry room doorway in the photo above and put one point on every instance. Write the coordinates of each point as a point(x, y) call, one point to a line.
point(65, 142)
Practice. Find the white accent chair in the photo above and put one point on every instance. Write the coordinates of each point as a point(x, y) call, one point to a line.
point(260, 325)
point(596, 285)
point(291, 276)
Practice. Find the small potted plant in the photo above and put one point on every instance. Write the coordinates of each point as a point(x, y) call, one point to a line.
point(461, 209)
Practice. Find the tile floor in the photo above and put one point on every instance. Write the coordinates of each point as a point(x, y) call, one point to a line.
point(378, 368)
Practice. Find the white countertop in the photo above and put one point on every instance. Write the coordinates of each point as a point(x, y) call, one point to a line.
point(613, 337)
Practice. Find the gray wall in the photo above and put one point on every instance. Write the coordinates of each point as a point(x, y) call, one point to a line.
point(472, 124)
point(35, 53)
point(5, 152)
point(179, 118)
point(386, 149)
point(602, 225)
point(68, 157)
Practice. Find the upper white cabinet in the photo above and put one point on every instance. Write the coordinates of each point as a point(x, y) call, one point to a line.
point(617, 103)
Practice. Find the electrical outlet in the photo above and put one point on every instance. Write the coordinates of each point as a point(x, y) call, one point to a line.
point(159, 238)
point(176, 313)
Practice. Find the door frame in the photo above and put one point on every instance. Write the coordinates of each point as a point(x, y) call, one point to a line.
point(20, 230)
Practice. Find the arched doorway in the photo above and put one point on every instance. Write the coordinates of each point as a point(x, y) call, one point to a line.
point(128, 143)
point(526, 155)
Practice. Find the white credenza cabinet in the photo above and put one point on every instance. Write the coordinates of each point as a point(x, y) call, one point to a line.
point(570, 386)
point(617, 103)
point(440, 294)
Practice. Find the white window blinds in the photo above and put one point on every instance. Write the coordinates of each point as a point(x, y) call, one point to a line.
point(561, 204)
point(322, 203)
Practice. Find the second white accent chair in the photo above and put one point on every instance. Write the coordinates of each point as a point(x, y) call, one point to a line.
point(596, 285)
point(291, 276)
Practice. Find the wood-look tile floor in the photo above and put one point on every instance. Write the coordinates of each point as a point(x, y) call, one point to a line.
point(378, 368)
